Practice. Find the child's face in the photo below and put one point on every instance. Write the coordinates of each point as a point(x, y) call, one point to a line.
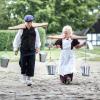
point(29, 24)
point(66, 34)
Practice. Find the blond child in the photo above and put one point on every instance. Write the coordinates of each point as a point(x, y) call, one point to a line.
point(67, 57)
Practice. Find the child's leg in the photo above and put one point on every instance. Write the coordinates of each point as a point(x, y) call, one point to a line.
point(23, 64)
point(31, 65)
point(69, 78)
point(63, 79)
point(30, 69)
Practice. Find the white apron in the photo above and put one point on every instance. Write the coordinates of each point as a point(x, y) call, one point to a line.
point(67, 58)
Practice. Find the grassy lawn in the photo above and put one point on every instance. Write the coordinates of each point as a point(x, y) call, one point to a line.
point(95, 59)
point(96, 50)
point(54, 54)
point(10, 55)
point(51, 54)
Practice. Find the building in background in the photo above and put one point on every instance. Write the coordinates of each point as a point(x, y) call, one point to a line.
point(93, 33)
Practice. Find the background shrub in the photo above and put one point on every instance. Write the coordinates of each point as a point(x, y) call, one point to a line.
point(42, 32)
point(6, 39)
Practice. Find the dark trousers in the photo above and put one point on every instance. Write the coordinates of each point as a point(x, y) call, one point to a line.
point(27, 64)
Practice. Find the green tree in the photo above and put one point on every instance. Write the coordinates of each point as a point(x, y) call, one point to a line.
point(19, 8)
point(77, 13)
point(3, 15)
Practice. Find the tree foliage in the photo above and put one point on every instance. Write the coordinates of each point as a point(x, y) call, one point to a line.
point(77, 13)
point(42, 37)
point(6, 39)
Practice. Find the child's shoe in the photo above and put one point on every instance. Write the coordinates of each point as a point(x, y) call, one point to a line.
point(68, 80)
point(23, 79)
point(29, 81)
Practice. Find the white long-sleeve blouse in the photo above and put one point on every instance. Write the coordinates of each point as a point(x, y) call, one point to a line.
point(17, 39)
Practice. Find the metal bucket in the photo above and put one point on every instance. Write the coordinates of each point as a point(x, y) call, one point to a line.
point(85, 70)
point(51, 69)
point(42, 56)
point(4, 62)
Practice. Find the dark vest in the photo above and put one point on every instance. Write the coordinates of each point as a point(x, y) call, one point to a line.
point(28, 40)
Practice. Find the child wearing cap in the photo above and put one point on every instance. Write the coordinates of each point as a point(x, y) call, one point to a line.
point(27, 40)
point(67, 57)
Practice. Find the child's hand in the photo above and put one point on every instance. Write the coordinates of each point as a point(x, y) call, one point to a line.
point(57, 46)
point(85, 43)
point(16, 52)
point(37, 50)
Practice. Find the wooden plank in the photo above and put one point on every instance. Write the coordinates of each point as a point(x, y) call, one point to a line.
point(23, 26)
point(62, 37)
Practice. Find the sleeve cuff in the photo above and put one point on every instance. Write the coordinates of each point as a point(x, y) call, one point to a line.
point(15, 49)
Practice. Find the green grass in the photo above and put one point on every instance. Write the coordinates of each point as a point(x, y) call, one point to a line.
point(94, 59)
point(10, 55)
point(54, 54)
point(96, 50)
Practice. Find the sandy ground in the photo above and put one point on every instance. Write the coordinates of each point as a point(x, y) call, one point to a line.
point(48, 87)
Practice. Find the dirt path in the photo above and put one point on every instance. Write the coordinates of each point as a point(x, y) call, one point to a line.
point(48, 87)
